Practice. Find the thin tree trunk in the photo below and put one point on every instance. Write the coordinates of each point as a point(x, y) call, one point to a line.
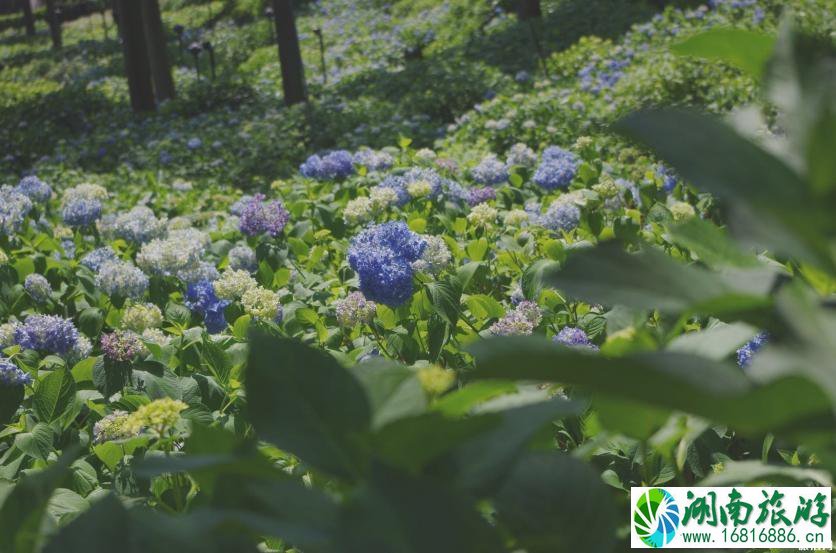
point(28, 19)
point(529, 9)
point(157, 52)
point(54, 24)
point(135, 50)
point(290, 56)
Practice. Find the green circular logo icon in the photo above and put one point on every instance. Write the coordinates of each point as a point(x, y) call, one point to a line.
point(656, 517)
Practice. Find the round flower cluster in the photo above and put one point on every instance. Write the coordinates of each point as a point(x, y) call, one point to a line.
point(419, 188)
point(331, 166)
point(158, 416)
point(203, 270)
point(561, 215)
point(682, 211)
point(515, 218)
point(382, 255)
point(480, 194)
point(436, 380)
point(156, 336)
point(436, 256)
point(120, 278)
point(139, 225)
point(7, 334)
point(490, 171)
point(354, 309)
point(14, 207)
point(121, 345)
point(262, 304)
point(140, 316)
point(373, 160)
point(111, 427)
point(522, 320)
point(48, 333)
point(169, 256)
point(557, 168)
point(35, 189)
point(482, 215)
point(11, 375)
point(262, 217)
point(38, 288)
point(521, 155)
point(423, 177)
point(81, 212)
point(382, 197)
point(575, 337)
point(748, 350)
point(98, 257)
point(84, 191)
point(233, 284)
point(358, 210)
point(201, 299)
point(242, 258)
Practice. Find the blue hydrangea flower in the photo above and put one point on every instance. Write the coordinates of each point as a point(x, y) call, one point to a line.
point(48, 333)
point(201, 299)
point(38, 288)
point(574, 337)
point(557, 168)
point(14, 207)
point(194, 143)
point(382, 255)
point(82, 212)
point(490, 171)
point(748, 350)
point(98, 257)
point(420, 174)
point(35, 189)
point(668, 176)
point(242, 258)
point(262, 217)
point(561, 215)
point(120, 278)
point(398, 184)
point(11, 375)
point(373, 160)
point(139, 225)
point(331, 166)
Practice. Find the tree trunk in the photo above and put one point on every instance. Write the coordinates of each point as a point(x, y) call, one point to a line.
point(137, 67)
point(28, 19)
point(290, 56)
point(54, 24)
point(528, 9)
point(157, 51)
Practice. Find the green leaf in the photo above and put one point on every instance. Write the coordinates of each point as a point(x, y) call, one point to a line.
point(303, 401)
point(104, 527)
point(412, 514)
point(717, 343)
point(651, 279)
point(410, 443)
point(463, 400)
point(746, 50)
point(769, 203)
point(23, 510)
point(445, 297)
point(713, 390)
point(736, 473)
point(65, 505)
point(583, 519)
point(53, 394)
point(476, 249)
point(37, 443)
point(10, 399)
point(486, 459)
point(709, 244)
point(392, 391)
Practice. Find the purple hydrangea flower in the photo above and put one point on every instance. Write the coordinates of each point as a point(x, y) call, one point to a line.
point(36, 189)
point(48, 333)
point(331, 166)
point(122, 345)
point(263, 217)
point(82, 212)
point(561, 216)
point(490, 171)
point(201, 299)
point(382, 255)
point(98, 257)
point(480, 194)
point(574, 337)
point(750, 348)
point(557, 168)
point(11, 375)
